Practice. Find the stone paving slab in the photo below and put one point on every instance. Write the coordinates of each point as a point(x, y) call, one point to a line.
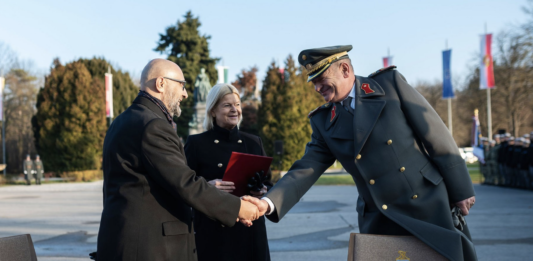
point(63, 220)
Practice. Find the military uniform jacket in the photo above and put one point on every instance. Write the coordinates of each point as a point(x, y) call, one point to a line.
point(27, 166)
point(38, 167)
point(208, 154)
point(529, 157)
point(493, 155)
point(149, 191)
point(405, 164)
point(502, 152)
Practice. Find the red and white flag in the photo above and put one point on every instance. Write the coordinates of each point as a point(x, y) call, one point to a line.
point(109, 95)
point(486, 69)
point(387, 61)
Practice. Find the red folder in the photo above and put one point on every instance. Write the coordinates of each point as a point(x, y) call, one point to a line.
point(242, 167)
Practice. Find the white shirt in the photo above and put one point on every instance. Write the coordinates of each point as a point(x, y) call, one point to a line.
point(352, 104)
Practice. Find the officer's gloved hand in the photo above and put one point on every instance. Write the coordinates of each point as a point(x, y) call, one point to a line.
point(255, 183)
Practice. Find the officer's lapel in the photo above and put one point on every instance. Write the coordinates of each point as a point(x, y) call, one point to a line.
point(367, 110)
point(341, 127)
point(333, 115)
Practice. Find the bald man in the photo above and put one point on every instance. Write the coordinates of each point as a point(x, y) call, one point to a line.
point(148, 188)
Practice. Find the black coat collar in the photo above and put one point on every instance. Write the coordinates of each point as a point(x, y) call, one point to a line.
point(152, 106)
point(225, 134)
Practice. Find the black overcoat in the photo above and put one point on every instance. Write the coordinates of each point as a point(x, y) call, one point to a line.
point(208, 154)
point(404, 161)
point(149, 191)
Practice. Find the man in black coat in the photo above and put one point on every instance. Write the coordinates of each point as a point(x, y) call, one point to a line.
point(148, 188)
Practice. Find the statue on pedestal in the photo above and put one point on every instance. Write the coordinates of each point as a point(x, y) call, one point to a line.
point(201, 89)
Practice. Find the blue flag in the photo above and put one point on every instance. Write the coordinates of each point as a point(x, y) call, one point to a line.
point(447, 89)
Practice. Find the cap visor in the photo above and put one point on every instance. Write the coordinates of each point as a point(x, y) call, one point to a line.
point(318, 73)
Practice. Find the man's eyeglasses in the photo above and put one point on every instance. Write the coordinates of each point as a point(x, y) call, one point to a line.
point(180, 81)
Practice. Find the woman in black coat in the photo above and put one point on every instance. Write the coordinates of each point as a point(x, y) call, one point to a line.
point(208, 154)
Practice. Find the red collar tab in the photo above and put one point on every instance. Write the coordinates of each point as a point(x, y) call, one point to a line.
point(366, 88)
point(333, 113)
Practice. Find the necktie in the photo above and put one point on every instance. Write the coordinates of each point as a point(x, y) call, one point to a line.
point(347, 104)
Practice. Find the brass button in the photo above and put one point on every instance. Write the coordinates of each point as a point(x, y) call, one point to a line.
point(239, 141)
point(372, 182)
point(384, 207)
point(358, 156)
point(415, 197)
point(389, 142)
point(216, 141)
point(402, 169)
point(220, 165)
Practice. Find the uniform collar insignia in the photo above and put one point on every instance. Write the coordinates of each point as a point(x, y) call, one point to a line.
point(333, 113)
point(368, 87)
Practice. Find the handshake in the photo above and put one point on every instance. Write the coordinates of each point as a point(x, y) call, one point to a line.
point(251, 209)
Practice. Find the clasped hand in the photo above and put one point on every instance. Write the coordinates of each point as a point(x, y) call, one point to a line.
point(466, 204)
point(251, 209)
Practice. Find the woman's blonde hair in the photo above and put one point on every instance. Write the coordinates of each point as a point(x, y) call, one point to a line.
point(213, 97)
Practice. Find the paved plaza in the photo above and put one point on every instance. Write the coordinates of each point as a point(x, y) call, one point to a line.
point(63, 221)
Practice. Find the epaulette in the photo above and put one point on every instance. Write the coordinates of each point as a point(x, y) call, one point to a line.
point(382, 70)
point(323, 106)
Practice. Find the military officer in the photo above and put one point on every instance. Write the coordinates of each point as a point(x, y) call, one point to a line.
point(502, 153)
point(509, 171)
point(405, 163)
point(523, 166)
point(530, 160)
point(27, 167)
point(38, 169)
point(493, 160)
point(483, 166)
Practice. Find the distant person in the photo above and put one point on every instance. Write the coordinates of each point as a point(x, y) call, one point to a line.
point(483, 166)
point(148, 188)
point(208, 154)
point(523, 165)
point(502, 158)
point(38, 169)
point(492, 160)
point(509, 175)
point(530, 160)
point(27, 167)
point(405, 163)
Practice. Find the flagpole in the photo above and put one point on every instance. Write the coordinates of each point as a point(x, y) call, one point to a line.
point(489, 106)
point(450, 126)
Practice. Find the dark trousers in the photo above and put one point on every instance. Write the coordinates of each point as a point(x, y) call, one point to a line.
point(28, 179)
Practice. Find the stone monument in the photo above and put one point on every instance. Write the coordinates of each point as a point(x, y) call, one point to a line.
point(201, 89)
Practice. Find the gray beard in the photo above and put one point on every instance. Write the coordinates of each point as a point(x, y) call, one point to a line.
point(172, 105)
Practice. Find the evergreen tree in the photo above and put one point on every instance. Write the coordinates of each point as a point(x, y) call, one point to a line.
point(69, 126)
point(190, 50)
point(269, 110)
point(124, 90)
point(287, 98)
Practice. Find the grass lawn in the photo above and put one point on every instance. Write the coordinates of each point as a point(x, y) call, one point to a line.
point(335, 180)
point(475, 175)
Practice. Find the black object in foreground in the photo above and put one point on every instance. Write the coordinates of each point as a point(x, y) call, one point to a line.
point(255, 183)
point(458, 218)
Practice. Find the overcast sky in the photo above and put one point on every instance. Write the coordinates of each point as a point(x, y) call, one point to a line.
point(247, 33)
